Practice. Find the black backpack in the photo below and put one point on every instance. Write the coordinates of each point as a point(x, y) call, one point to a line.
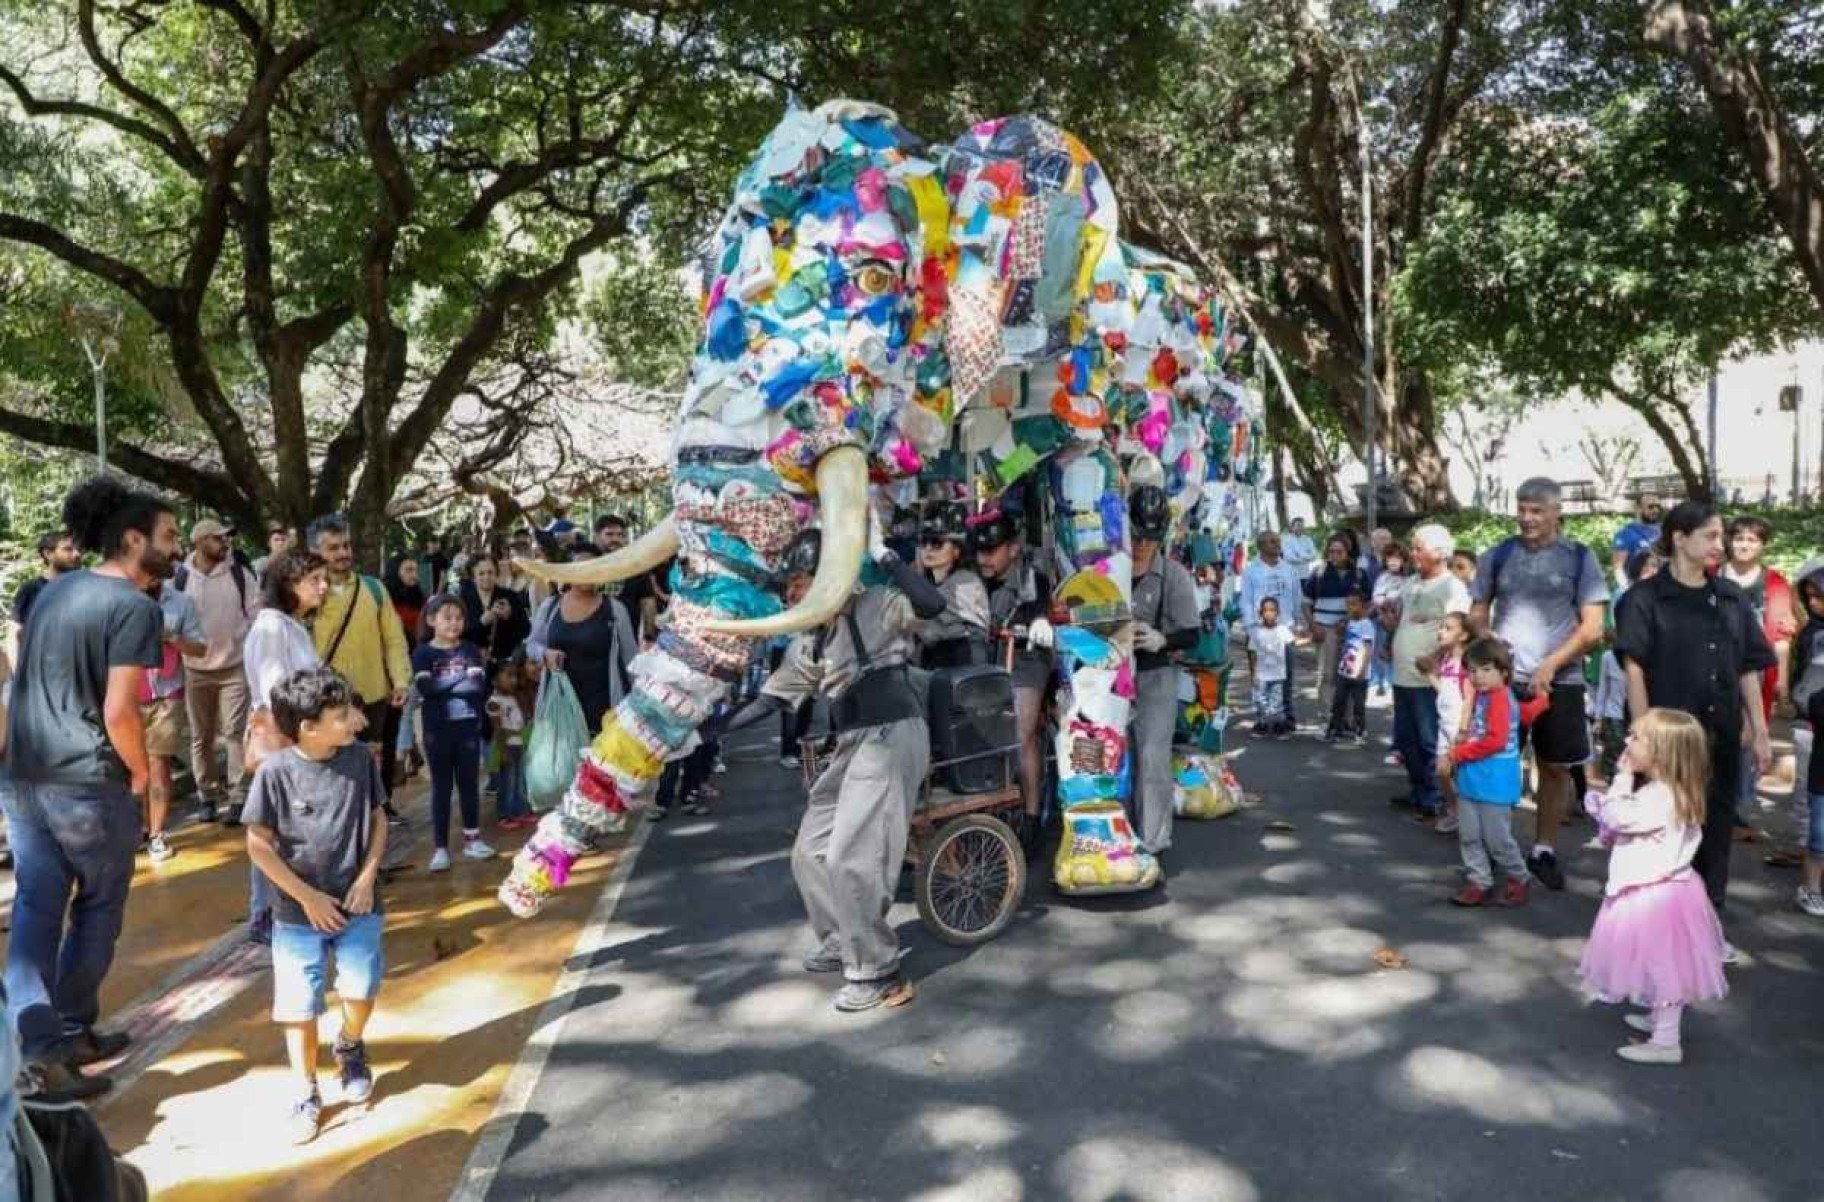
point(241, 574)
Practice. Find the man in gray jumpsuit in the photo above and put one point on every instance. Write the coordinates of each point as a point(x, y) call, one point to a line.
point(1165, 620)
point(852, 839)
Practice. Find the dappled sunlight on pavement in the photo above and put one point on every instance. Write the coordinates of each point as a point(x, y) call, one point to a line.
point(464, 987)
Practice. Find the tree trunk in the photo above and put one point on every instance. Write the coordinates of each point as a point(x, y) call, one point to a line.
point(1279, 484)
point(1755, 123)
point(1689, 465)
point(1424, 468)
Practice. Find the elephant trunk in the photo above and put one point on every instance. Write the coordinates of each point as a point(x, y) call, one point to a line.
point(652, 549)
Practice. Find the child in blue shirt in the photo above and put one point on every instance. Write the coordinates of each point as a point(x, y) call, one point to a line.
point(452, 678)
point(1348, 713)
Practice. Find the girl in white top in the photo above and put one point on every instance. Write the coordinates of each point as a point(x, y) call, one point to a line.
point(277, 645)
point(279, 642)
point(1656, 942)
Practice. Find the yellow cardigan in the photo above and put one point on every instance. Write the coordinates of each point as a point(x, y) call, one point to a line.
point(375, 657)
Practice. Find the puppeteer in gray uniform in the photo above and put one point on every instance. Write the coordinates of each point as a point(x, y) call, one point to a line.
point(850, 844)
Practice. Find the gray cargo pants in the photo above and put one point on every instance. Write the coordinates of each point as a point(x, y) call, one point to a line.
point(853, 839)
point(1155, 715)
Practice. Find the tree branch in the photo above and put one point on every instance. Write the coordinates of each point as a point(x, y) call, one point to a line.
point(148, 103)
point(155, 299)
point(185, 157)
point(1419, 169)
point(214, 489)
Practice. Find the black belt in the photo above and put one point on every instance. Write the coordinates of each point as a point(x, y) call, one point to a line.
point(881, 696)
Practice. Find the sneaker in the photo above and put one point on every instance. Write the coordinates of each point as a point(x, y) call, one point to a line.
point(1447, 825)
point(158, 849)
point(1470, 894)
point(306, 1116)
point(721, 766)
point(351, 1065)
point(823, 961)
point(394, 818)
point(1513, 893)
point(440, 860)
point(790, 762)
point(523, 822)
point(1731, 957)
point(259, 929)
point(1544, 867)
point(1426, 820)
point(657, 813)
point(474, 849)
point(232, 817)
point(1259, 732)
point(92, 1047)
point(1639, 1022)
point(1393, 758)
point(1358, 741)
point(1652, 1053)
point(1330, 736)
point(207, 812)
point(1810, 901)
point(857, 996)
point(54, 1082)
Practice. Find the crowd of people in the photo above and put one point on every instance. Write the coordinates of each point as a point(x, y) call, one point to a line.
point(299, 693)
point(1686, 639)
point(296, 693)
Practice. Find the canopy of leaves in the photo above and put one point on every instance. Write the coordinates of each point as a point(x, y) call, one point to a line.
point(1623, 254)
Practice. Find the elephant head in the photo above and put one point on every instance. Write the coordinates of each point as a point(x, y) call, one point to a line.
point(860, 291)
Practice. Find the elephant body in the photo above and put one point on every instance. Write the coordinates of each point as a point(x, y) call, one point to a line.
point(862, 291)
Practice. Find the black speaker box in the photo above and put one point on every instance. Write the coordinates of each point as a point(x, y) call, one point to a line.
point(971, 714)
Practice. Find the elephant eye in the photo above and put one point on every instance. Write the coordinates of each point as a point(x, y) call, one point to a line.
point(875, 278)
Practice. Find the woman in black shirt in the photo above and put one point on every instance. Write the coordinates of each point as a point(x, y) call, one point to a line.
point(1692, 642)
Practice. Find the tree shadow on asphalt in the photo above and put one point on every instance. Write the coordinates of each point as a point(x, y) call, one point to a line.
point(1236, 1038)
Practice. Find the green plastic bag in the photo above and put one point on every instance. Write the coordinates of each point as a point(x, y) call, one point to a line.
point(560, 735)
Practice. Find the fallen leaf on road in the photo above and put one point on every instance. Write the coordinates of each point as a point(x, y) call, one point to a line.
point(1386, 957)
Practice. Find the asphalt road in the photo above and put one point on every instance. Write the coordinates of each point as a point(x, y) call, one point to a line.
point(1229, 1038)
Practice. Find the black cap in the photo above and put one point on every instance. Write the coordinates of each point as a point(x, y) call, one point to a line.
point(801, 555)
point(1150, 511)
point(997, 530)
point(943, 519)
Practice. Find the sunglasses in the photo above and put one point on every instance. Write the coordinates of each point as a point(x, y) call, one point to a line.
point(933, 540)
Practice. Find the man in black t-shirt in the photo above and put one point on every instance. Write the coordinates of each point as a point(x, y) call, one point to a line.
point(57, 550)
point(76, 753)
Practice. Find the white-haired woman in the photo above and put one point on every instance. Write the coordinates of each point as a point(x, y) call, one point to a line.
point(1430, 593)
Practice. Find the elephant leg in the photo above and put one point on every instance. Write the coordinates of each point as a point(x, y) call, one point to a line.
point(1099, 851)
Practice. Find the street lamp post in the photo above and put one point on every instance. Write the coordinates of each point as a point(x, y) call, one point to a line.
point(98, 329)
point(1371, 507)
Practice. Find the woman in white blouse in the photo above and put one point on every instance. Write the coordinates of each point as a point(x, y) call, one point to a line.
point(278, 645)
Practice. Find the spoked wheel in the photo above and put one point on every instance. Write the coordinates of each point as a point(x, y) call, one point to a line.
point(971, 879)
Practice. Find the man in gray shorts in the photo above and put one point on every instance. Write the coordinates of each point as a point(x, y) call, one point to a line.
point(1547, 597)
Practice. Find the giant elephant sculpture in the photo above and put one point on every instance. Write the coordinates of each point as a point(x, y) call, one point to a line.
point(862, 290)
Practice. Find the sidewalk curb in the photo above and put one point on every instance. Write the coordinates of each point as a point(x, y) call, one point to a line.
point(476, 1180)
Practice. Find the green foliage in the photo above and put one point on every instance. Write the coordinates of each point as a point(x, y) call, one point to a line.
point(1622, 255)
point(1798, 534)
point(645, 320)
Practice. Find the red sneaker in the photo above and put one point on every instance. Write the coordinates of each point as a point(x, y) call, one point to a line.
point(1471, 894)
point(1513, 893)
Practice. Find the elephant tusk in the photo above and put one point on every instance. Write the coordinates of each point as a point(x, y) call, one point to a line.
point(842, 502)
point(651, 549)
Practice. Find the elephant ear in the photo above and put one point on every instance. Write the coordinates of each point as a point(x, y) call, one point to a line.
point(1033, 221)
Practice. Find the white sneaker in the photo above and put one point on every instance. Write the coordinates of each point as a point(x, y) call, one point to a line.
point(1652, 1053)
point(440, 860)
point(1811, 901)
point(721, 765)
point(789, 761)
point(1639, 1022)
point(1731, 957)
point(475, 849)
point(158, 849)
point(1447, 825)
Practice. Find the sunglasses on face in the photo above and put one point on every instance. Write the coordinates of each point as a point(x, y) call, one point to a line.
point(933, 540)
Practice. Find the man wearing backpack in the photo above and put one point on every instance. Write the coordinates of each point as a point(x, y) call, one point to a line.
point(1546, 597)
point(358, 633)
point(227, 598)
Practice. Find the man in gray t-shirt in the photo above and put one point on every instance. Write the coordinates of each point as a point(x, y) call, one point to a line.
point(1544, 596)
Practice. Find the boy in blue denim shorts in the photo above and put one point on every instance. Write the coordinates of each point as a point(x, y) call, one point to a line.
point(316, 828)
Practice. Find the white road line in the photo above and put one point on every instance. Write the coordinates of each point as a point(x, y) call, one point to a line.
point(496, 1136)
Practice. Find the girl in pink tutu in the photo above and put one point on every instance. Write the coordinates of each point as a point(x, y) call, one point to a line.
point(1656, 941)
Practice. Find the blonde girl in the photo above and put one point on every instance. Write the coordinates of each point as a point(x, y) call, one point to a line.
point(1656, 942)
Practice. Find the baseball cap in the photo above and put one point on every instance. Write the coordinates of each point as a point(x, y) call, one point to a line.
point(209, 528)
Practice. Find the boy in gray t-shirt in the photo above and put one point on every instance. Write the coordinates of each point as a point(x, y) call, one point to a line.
point(316, 828)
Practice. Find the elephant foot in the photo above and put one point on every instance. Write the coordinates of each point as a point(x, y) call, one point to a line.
point(1203, 788)
point(1099, 853)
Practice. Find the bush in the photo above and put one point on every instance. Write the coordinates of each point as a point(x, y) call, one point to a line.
point(1798, 534)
